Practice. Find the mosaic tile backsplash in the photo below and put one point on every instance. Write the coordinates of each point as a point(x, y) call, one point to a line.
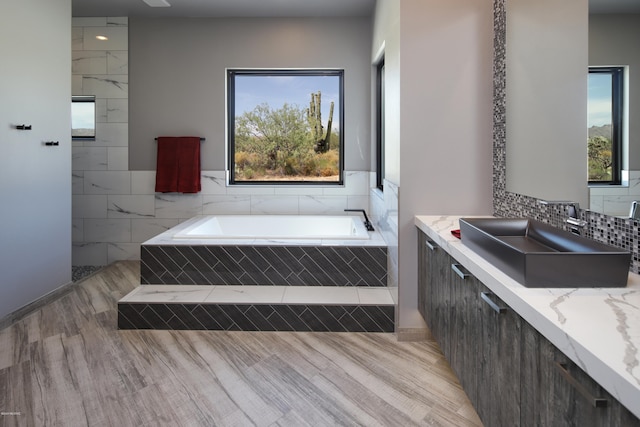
point(620, 232)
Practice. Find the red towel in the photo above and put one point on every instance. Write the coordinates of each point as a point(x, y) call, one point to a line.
point(178, 164)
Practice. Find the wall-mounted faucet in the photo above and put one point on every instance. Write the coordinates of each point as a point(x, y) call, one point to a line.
point(367, 224)
point(573, 211)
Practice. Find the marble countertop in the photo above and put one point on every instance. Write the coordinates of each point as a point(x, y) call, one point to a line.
point(597, 328)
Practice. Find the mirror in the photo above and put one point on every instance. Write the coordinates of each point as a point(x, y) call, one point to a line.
point(613, 42)
point(546, 99)
point(549, 46)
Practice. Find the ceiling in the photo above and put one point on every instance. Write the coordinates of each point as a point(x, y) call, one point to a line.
point(272, 8)
point(225, 8)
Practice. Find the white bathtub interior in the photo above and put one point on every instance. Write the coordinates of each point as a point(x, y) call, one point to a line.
point(275, 227)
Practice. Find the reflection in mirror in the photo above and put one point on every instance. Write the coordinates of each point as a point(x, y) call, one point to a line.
point(546, 99)
point(613, 42)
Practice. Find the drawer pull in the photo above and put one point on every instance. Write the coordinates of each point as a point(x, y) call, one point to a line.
point(596, 402)
point(431, 245)
point(493, 305)
point(457, 269)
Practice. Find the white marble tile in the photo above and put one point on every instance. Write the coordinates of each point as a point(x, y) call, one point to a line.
point(101, 111)
point(88, 62)
point(76, 85)
point(374, 296)
point(213, 182)
point(299, 190)
point(247, 294)
point(618, 206)
point(596, 203)
point(168, 293)
point(226, 205)
point(88, 21)
point(112, 135)
point(107, 230)
point(172, 205)
point(357, 183)
point(77, 182)
point(143, 182)
point(358, 202)
point(131, 206)
point(107, 182)
point(106, 85)
point(320, 295)
point(278, 205)
point(117, 62)
point(144, 229)
point(77, 35)
point(250, 190)
point(118, 38)
point(89, 158)
point(89, 206)
point(118, 158)
point(122, 251)
point(90, 253)
point(322, 205)
point(77, 230)
point(117, 110)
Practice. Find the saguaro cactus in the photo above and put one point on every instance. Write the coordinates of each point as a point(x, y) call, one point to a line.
point(314, 117)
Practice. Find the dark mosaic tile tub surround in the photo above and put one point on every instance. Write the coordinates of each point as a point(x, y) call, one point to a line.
point(264, 265)
point(256, 317)
point(620, 232)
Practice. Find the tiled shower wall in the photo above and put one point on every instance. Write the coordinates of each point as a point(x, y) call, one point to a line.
point(115, 209)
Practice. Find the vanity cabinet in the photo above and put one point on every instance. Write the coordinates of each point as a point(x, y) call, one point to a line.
point(555, 391)
point(500, 355)
point(512, 374)
point(433, 300)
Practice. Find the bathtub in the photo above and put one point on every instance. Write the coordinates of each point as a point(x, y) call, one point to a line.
point(275, 227)
point(295, 250)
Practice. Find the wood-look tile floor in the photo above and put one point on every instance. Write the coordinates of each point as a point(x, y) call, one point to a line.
point(66, 364)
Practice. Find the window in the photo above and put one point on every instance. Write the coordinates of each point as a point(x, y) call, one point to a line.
point(380, 124)
point(83, 117)
point(285, 126)
point(605, 123)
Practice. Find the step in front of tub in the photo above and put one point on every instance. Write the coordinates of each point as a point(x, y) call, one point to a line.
point(257, 308)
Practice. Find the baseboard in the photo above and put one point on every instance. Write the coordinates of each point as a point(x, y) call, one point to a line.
point(413, 334)
point(35, 305)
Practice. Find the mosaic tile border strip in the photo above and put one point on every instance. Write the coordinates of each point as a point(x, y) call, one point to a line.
point(264, 265)
point(620, 232)
point(255, 317)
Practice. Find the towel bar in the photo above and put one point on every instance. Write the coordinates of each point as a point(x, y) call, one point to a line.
point(201, 139)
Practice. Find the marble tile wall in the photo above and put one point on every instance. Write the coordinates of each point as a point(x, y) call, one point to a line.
point(616, 201)
point(115, 209)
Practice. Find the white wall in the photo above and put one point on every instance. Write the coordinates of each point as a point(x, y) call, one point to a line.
point(35, 184)
point(446, 51)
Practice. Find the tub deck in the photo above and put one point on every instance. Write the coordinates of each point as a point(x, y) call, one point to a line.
point(261, 285)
